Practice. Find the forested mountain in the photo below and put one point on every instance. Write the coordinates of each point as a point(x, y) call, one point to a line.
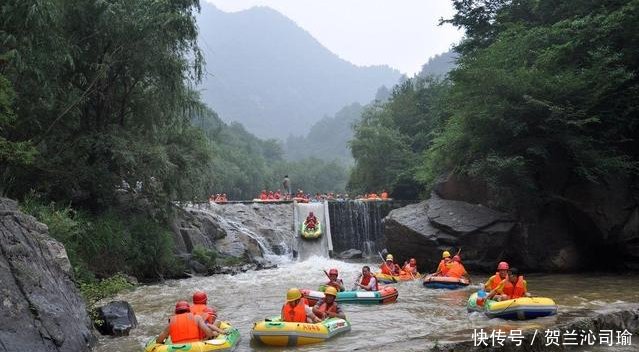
point(328, 138)
point(544, 96)
point(274, 77)
point(243, 164)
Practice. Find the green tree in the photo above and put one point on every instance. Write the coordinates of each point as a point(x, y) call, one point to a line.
point(545, 94)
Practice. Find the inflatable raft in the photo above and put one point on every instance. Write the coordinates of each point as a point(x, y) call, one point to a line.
point(387, 294)
point(391, 279)
point(226, 342)
point(258, 200)
point(311, 234)
point(450, 283)
point(274, 332)
point(523, 308)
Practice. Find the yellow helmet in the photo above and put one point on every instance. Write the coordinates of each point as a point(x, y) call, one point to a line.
point(446, 254)
point(330, 290)
point(389, 257)
point(293, 294)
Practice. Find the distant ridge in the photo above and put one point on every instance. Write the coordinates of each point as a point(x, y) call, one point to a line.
point(274, 77)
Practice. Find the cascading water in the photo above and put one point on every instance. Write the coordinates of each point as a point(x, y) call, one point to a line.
point(358, 225)
point(313, 247)
point(268, 226)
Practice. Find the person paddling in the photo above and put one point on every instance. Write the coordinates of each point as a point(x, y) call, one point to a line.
point(327, 307)
point(457, 269)
point(295, 310)
point(368, 282)
point(513, 287)
point(389, 267)
point(338, 284)
point(444, 264)
point(500, 275)
point(209, 314)
point(184, 326)
point(411, 267)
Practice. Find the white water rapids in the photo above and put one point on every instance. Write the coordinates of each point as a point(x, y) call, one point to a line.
point(419, 319)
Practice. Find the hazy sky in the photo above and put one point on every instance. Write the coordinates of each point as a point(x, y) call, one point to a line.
point(400, 33)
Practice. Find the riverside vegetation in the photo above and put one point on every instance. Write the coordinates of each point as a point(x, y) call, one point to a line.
point(101, 129)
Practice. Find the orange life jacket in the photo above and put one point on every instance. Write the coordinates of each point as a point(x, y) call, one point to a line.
point(443, 268)
point(366, 280)
point(295, 314)
point(386, 269)
point(496, 281)
point(184, 328)
point(325, 308)
point(410, 269)
point(515, 291)
point(199, 309)
point(456, 270)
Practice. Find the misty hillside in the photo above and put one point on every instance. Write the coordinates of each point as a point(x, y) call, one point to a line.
point(328, 138)
point(274, 77)
point(439, 65)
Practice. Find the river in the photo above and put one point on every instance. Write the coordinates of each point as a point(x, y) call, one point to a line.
point(419, 319)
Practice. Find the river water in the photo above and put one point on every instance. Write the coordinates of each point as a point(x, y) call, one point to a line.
point(419, 319)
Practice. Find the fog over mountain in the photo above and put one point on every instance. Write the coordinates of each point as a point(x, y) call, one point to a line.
point(266, 72)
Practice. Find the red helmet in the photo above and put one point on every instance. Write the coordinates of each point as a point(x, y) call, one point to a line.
point(333, 272)
point(182, 307)
point(199, 297)
point(503, 266)
point(457, 258)
point(210, 311)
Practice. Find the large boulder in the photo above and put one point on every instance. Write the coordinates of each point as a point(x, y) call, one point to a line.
point(577, 225)
point(350, 254)
point(422, 231)
point(116, 318)
point(41, 308)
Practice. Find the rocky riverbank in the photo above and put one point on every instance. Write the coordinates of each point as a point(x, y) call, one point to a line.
point(41, 308)
point(241, 236)
point(595, 229)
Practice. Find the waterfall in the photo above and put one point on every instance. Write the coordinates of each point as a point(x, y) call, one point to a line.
point(358, 224)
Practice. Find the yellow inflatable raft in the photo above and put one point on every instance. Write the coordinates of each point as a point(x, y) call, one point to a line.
point(391, 279)
point(523, 308)
point(274, 332)
point(226, 342)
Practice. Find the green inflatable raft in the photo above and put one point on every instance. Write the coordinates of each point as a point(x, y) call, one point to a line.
point(311, 234)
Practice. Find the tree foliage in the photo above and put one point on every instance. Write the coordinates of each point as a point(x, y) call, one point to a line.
point(551, 90)
point(544, 93)
point(104, 96)
point(243, 165)
point(390, 136)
